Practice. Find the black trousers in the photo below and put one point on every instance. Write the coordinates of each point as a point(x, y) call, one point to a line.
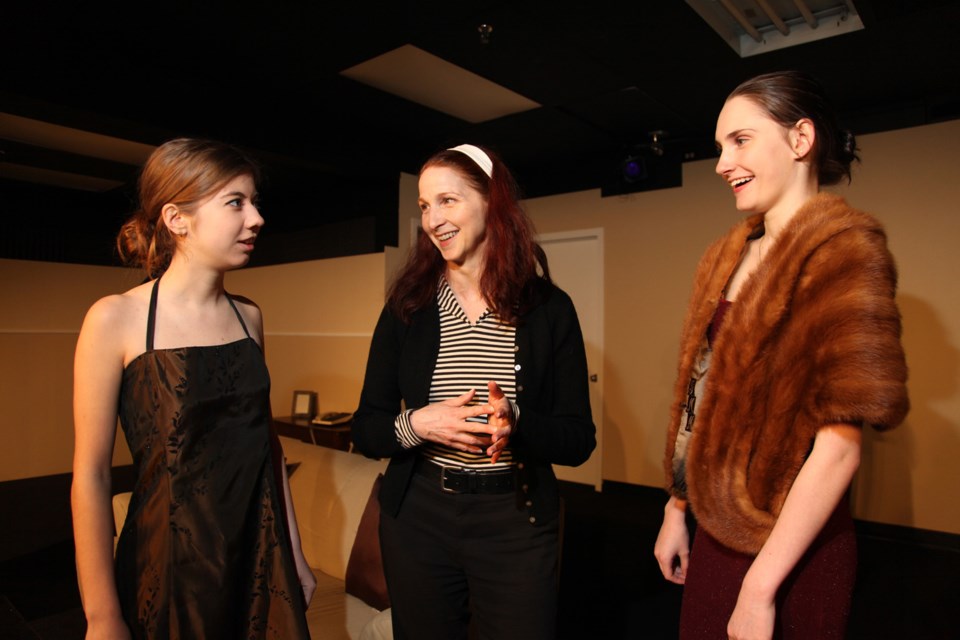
point(452, 557)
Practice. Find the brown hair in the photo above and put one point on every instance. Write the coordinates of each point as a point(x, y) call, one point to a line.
point(184, 172)
point(508, 283)
point(789, 96)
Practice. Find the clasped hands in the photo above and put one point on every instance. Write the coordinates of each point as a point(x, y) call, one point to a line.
point(446, 422)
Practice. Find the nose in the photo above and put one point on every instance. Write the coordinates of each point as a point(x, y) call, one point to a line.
point(255, 220)
point(431, 219)
point(724, 164)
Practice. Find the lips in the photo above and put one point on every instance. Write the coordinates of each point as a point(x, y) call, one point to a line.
point(446, 237)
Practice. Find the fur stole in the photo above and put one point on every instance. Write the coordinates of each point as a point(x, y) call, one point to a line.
point(813, 339)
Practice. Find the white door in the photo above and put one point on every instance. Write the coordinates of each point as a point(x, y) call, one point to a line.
point(576, 266)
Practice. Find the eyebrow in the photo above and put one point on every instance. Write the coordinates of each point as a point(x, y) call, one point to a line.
point(440, 195)
point(735, 133)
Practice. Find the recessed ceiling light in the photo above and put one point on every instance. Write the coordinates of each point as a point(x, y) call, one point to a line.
point(421, 77)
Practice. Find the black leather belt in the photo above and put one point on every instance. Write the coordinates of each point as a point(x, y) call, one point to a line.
point(461, 480)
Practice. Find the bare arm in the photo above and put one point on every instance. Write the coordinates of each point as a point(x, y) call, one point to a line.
point(819, 486)
point(307, 580)
point(98, 367)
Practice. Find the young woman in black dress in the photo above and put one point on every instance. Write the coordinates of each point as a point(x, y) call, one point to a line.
point(210, 547)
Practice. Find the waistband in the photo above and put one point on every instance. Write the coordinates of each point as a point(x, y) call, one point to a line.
point(453, 479)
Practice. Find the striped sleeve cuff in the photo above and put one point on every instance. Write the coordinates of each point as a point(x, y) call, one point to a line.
point(405, 434)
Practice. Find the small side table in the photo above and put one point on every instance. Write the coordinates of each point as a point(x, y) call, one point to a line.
point(334, 436)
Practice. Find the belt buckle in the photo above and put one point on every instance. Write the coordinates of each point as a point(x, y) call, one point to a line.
point(443, 477)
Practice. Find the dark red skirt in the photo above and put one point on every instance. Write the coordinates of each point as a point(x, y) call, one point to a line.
point(813, 602)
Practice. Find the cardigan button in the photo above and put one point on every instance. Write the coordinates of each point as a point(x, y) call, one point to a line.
point(525, 488)
point(519, 388)
point(529, 503)
point(520, 465)
point(533, 519)
point(516, 367)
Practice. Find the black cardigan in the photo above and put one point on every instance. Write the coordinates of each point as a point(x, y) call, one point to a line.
point(555, 425)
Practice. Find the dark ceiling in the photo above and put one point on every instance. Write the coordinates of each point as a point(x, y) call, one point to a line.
point(266, 76)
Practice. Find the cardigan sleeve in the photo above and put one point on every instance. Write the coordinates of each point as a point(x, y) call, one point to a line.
point(374, 430)
point(555, 424)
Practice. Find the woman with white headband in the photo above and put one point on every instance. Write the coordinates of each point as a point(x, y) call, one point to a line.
point(476, 384)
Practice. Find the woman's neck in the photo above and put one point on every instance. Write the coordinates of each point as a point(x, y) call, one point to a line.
point(465, 285)
point(463, 278)
point(779, 216)
point(192, 284)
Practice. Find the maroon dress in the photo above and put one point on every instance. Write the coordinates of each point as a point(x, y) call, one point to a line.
point(812, 603)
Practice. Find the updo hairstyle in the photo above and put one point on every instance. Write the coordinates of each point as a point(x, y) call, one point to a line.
point(184, 172)
point(788, 97)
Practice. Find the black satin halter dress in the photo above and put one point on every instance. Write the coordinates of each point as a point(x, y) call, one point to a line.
point(204, 552)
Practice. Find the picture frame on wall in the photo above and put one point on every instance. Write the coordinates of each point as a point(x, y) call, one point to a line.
point(304, 404)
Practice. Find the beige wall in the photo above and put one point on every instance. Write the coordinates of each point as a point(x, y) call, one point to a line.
point(319, 316)
point(909, 181)
point(652, 242)
point(43, 305)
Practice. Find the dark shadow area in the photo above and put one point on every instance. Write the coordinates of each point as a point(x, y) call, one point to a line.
point(908, 583)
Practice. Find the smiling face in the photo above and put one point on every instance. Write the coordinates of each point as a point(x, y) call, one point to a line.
point(222, 229)
point(453, 214)
point(760, 159)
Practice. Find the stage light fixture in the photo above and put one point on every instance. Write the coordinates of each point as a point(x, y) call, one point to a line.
point(633, 169)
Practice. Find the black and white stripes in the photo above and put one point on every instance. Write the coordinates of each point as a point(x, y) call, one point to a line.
point(470, 356)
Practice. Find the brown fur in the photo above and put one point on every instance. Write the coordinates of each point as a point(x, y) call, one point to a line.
point(813, 339)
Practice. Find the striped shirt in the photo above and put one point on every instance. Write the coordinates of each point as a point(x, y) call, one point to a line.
point(470, 356)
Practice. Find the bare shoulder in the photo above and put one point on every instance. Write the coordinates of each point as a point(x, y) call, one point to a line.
point(251, 313)
point(111, 312)
point(112, 322)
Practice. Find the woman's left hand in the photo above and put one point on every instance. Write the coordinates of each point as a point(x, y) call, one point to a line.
point(501, 417)
point(752, 619)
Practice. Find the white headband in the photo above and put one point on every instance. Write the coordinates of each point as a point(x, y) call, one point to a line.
point(477, 155)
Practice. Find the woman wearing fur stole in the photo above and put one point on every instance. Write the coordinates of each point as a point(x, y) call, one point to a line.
point(791, 344)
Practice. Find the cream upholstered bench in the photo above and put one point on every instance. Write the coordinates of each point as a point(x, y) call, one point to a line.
point(330, 490)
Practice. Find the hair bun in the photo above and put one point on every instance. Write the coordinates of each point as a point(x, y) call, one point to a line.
point(848, 145)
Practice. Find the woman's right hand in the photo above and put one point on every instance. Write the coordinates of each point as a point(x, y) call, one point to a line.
point(109, 628)
point(672, 549)
point(446, 422)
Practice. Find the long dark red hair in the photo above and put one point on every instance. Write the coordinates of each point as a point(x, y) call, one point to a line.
point(512, 278)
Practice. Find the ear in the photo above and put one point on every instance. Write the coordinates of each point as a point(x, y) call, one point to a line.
point(802, 136)
point(174, 219)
